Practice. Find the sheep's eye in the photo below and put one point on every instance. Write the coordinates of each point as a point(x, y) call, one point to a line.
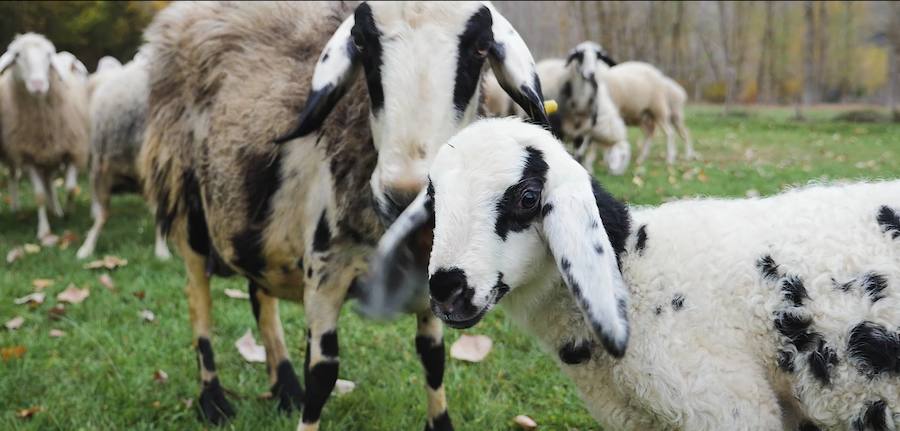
point(529, 199)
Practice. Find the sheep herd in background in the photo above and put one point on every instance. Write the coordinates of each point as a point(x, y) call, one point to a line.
point(325, 151)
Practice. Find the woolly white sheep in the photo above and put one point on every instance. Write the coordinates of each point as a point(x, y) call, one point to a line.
point(300, 218)
point(44, 119)
point(106, 66)
point(118, 119)
point(745, 314)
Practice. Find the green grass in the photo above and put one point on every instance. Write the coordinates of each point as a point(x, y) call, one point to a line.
point(100, 375)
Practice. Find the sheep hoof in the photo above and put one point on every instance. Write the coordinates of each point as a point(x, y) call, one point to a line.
point(214, 408)
point(287, 388)
point(84, 253)
point(162, 253)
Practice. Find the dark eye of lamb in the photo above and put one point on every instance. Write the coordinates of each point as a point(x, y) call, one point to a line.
point(529, 199)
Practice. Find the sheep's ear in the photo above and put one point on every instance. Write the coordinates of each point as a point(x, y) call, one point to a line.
point(604, 57)
point(336, 68)
point(79, 68)
point(574, 54)
point(514, 68)
point(6, 60)
point(396, 274)
point(586, 260)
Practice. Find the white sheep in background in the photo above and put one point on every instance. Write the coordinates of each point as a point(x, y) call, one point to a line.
point(44, 119)
point(118, 115)
point(68, 63)
point(745, 314)
point(106, 66)
point(300, 219)
point(108, 62)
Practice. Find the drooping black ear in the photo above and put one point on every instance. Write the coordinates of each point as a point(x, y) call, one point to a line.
point(335, 70)
point(575, 54)
point(602, 55)
point(513, 66)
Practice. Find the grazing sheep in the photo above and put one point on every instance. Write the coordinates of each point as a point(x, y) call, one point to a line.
point(44, 119)
point(118, 120)
point(745, 314)
point(299, 219)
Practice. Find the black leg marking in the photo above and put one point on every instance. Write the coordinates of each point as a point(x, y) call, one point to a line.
point(329, 344)
point(431, 353)
point(206, 354)
point(821, 361)
point(874, 418)
point(319, 383)
point(889, 221)
point(440, 423)
point(254, 301)
point(677, 302)
point(287, 388)
point(572, 353)
point(641, 240)
point(874, 349)
point(214, 408)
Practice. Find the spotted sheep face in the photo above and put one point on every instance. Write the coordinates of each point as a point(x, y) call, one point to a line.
point(511, 208)
point(583, 85)
point(31, 58)
point(422, 63)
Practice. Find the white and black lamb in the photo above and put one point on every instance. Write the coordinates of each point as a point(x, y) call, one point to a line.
point(706, 314)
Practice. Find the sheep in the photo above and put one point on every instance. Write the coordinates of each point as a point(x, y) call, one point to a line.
point(118, 115)
point(704, 314)
point(108, 62)
point(677, 99)
point(586, 111)
point(299, 217)
point(106, 66)
point(44, 119)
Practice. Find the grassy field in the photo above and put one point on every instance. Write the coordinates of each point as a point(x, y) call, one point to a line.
point(100, 375)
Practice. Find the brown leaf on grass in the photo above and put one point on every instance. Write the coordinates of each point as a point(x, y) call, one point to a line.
point(31, 248)
point(236, 294)
point(49, 240)
point(40, 284)
point(139, 294)
point(471, 348)
point(29, 412)
point(265, 396)
point(638, 181)
point(68, 237)
point(15, 254)
point(156, 404)
point(107, 282)
point(14, 323)
point(702, 176)
point(525, 422)
point(342, 387)
point(147, 315)
point(108, 262)
point(249, 350)
point(188, 402)
point(56, 312)
point(12, 352)
point(56, 333)
point(35, 298)
point(160, 376)
point(73, 294)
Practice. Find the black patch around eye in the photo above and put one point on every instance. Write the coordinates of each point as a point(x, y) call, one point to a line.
point(474, 38)
point(889, 221)
point(366, 32)
point(509, 217)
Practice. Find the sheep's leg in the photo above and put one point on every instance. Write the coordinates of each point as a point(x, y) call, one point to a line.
point(579, 145)
point(54, 196)
point(71, 186)
point(213, 405)
point(648, 127)
point(160, 249)
point(14, 175)
point(430, 346)
point(285, 385)
point(40, 199)
point(689, 153)
point(591, 157)
point(322, 302)
point(101, 186)
point(671, 150)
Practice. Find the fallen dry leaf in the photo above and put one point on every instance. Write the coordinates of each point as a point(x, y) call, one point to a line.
point(68, 237)
point(188, 402)
point(41, 283)
point(29, 412)
point(525, 422)
point(139, 294)
point(13, 352)
point(57, 312)
point(147, 315)
point(160, 376)
point(156, 404)
point(15, 254)
point(236, 294)
point(32, 298)
point(31, 248)
point(342, 387)
point(56, 333)
point(108, 262)
point(73, 294)
point(471, 348)
point(49, 240)
point(249, 350)
point(107, 282)
point(14, 323)
point(638, 181)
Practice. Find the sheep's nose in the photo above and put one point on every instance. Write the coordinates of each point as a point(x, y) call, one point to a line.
point(447, 287)
point(37, 85)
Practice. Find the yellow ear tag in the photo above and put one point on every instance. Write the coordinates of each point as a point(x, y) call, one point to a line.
point(550, 106)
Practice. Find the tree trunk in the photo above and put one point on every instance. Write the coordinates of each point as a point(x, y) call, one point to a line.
point(763, 72)
point(808, 47)
point(821, 50)
point(677, 48)
point(894, 58)
point(724, 23)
